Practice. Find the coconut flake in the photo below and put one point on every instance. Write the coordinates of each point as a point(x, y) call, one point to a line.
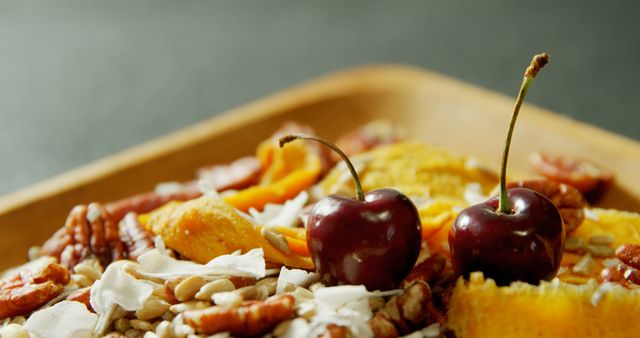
point(336, 296)
point(346, 305)
point(421, 201)
point(473, 194)
point(599, 293)
point(251, 264)
point(208, 188)
point(158, 265)
point(159, 245)
point(431, 331)
point(281, 214)
point(387, 293)
point(63, 320)
point(297, 328)
point(295, 277)
point(591, 214)
point(220, 335)
point(169, 188)
point(116, 287)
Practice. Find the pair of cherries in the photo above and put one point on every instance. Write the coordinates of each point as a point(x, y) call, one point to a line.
point(375, 239)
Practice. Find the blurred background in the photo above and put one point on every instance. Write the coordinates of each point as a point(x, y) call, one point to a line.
point(83, 79)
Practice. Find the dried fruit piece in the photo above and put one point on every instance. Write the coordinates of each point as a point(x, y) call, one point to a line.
point(249, 319)
point(286, 172)
point(629, 254)
point(205, 228)
point(583, 175)
point(414, 168)
point(481, 309)
point(567, 199)
point(31, 285)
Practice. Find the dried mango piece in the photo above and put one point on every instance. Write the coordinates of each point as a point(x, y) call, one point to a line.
point(286, 172)
point(436, 214)
point(480, 309)
point(206, 227)
point(623, 226)
point(414, 168)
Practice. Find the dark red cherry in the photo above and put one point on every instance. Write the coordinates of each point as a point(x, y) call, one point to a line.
point(517, 236)
point(373, 240)
point(524, 245)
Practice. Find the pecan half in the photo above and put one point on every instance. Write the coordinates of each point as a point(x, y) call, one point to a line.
point(569, 201)
point(621, 274)
point(136, 238)
point(428, 271)
point(31, 286)
point(82, 296)
point(409, 311)
point(367, 137)
point(336, 331)
point(148, 201)
point(88, 230)
point(587, 177)
point(249, 319)
point(629, 254)
point(382, 327)
point(238, 174)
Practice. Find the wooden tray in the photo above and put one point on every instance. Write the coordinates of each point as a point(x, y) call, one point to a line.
point(431, 107)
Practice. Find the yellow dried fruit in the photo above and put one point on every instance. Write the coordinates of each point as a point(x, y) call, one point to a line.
point(414, 168)
point(623, 226)
point(204, 228)
point(481, 309)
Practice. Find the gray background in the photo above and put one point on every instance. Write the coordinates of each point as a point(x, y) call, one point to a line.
point(83, 79)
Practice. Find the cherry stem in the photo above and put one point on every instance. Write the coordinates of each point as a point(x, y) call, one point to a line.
point(288, 138)
point(536, 65)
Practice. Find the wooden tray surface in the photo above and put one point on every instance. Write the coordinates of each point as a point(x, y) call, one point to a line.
point(429, 106)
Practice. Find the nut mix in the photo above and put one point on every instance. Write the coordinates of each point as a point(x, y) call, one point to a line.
point(89, 230)
point(204, 301)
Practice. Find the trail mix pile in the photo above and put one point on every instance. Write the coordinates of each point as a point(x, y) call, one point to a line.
point(226, 254)
point(232, 295)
